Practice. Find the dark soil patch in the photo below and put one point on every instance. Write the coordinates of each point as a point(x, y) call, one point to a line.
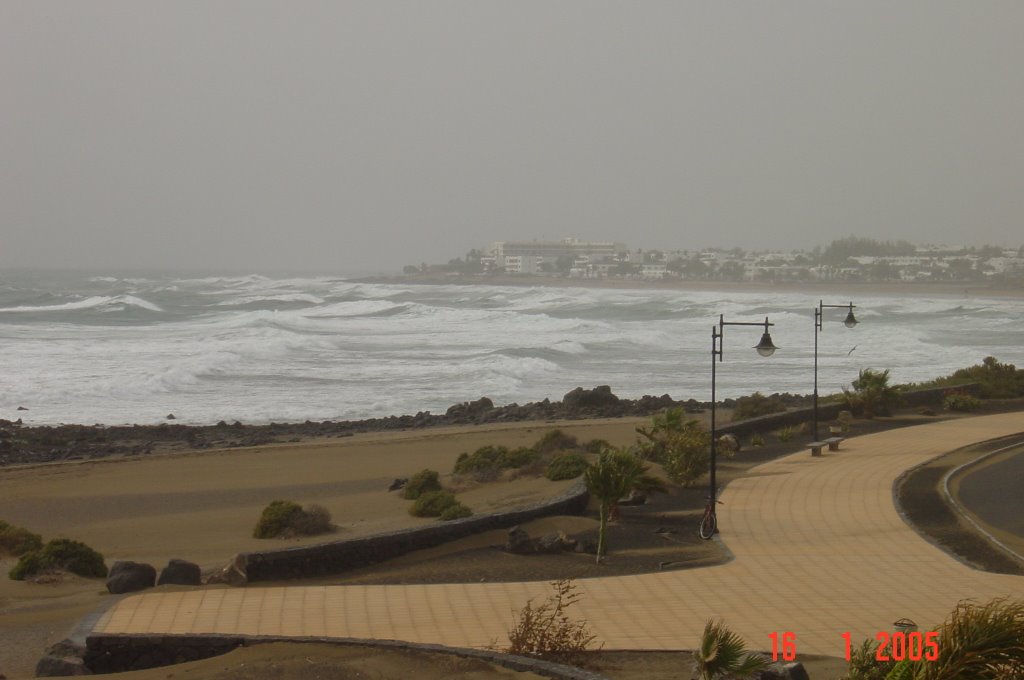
point(921, 498)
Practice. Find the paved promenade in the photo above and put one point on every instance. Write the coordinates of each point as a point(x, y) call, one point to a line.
point(819, 549)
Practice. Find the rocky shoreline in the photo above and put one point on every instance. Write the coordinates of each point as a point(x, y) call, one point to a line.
point(25, 445)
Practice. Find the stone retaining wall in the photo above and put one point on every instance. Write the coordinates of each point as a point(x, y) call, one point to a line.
point(339, 556)
point(119, 653)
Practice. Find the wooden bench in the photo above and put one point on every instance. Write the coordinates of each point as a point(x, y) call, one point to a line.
point(833, 443)
point(816, 447)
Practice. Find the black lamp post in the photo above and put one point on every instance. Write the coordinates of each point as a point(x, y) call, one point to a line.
point(765, 348)
point(850, 322)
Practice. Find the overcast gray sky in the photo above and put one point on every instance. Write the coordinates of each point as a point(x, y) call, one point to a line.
point(359, 136)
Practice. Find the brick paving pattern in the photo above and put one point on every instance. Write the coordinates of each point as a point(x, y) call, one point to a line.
point(819, 549)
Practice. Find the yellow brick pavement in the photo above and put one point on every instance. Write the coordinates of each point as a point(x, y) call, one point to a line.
point(819, 549)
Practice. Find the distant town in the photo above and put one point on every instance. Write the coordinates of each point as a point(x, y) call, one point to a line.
point(848, 259)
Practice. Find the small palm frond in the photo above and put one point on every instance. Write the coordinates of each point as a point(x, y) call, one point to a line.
point(722, 654)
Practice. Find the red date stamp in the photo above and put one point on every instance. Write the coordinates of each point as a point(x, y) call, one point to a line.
point(898, 646)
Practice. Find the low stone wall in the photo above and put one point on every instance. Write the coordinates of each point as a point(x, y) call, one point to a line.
point(829, 412)
point(339, 556)
point(120, 653)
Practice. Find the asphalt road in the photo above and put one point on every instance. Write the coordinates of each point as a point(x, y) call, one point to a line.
point(995, 493)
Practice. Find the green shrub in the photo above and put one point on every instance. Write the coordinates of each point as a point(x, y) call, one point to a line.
point(31, 563)
point(995, 380)
point(566, 466)
point(756, 405)
point(785, 434)
point(433, 504)
point(521, 457)
point(488, 461)
point(17, 541)
point(457, 511)
point(276, 519)
point(422, 482)
point(60, 553)
point(756, 440)
point(960, 401)
point(282, 519)
point(555, 440)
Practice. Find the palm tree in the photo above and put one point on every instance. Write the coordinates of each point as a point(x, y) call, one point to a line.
point(616, 473)
point(872, 393)
point(979, 641)
point(722, 654)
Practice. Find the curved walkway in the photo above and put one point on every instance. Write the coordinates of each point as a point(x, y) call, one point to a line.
point(819, 549)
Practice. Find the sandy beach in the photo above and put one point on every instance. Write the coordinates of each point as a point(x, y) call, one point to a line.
point(842, 288)
point(202, 507)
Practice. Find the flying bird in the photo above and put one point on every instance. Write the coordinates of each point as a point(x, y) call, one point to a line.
point(851, 350)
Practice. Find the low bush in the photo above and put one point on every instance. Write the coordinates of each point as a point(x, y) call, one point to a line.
point(756, 405)
point(488, 461)
point(314, 519)
point(995, 379)
point(546, 631)
point(959, 401)
point(433, 504)
point(283, 519)
point(555, 440)
point(30, 564)
point(756, 440)
point(275, 519)
point(566, 466)
point(785, 434)
point(457, 511)
point(422, 482)
point(60, 553)
point(17, 541)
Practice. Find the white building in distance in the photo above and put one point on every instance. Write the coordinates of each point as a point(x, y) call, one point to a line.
point(529, 257)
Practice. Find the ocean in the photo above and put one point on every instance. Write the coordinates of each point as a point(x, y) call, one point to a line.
point(113, 350)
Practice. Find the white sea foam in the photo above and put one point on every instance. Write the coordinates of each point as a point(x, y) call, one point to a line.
point(340, 349)
point(96, 301)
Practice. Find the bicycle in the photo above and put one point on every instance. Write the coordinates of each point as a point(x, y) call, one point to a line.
point(709, 523)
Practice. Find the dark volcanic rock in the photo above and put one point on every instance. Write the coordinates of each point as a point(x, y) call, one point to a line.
point(598, 397)
point(61, 660)
point(180, 572)
point(519, 542)
point(784, 671)
point(128, 577)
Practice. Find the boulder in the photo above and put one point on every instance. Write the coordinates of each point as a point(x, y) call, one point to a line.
point(128, 577)
point(233, 573)
point(555, 543)
point(784, 671)
point(598, 397)
point(470, 409)
point(634, 498)
point(728, 443)
point(170, 416)
point(180, 572)
point(61, 660)
point(519, 542)
point(399, 483)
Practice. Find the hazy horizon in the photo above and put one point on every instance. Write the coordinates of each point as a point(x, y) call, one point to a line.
point(359, 137)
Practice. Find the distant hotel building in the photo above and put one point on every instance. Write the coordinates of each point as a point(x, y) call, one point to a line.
point(529, 257)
